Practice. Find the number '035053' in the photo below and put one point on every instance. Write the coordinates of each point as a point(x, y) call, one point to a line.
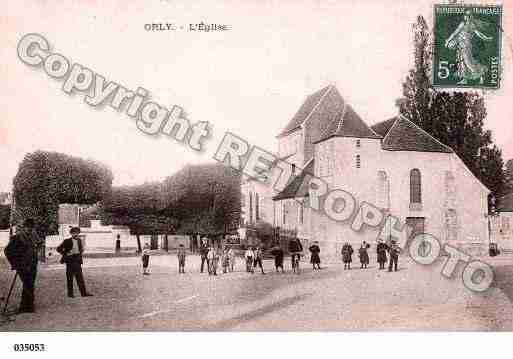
point(29, 347)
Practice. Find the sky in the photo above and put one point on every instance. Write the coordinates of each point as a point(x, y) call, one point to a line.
point(249, 80)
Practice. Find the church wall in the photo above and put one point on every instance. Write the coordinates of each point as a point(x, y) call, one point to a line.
point(468, 200)
point(292, 145)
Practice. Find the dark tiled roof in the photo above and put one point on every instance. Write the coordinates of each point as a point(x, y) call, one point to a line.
point(404, 135)
point(348, 124)
point(383, 127)
point(505, 204)
point(298, 185)
point(306, 108)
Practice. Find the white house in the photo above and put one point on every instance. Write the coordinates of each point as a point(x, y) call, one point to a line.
point(394, 165)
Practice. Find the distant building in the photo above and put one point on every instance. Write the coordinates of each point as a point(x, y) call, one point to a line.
point(5, 198)
point(501, 225)
point(394, 165)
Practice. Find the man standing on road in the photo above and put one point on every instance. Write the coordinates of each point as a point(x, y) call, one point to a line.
point(295, 250)
point(258, 259)
point(71, 250)
point(22, 252)
point(203, 254)
point(394, 251)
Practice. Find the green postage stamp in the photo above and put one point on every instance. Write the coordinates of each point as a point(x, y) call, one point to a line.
point(467, 48)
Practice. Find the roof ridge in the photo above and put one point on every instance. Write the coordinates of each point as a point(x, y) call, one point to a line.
point(390, 129)
point(341, 121)
point(329, 87)
point(420, 128)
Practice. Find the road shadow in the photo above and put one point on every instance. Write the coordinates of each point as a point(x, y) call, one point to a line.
point(249, 316)
point(504, 280)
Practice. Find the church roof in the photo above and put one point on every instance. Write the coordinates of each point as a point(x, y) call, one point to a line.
point(348, 123)
point(400, 134)
point(310, 104)
point(505, 203)
point(297, 185)
point(333, 116)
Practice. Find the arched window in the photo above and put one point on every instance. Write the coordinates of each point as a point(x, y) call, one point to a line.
point(415, 186)
point(358, 163)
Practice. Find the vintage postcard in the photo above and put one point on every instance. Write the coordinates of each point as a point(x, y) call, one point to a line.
point(255, 166)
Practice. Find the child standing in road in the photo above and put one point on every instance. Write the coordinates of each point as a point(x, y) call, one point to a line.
point(181, 259)
point(146, 258)
point(249, 260)
point(225, 260)
point(231, 256)
point(257, 259)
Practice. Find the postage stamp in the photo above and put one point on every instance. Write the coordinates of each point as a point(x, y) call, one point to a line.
point(467, 47)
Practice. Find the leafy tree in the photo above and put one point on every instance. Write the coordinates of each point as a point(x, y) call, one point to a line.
point(204, 198)
point(454, 118)
point(140, 208)
point(508, 173)
point(47, 179)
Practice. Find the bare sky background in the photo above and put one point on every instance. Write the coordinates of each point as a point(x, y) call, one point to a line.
point(249, 80)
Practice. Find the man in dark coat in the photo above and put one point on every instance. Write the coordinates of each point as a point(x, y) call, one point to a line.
point(71, 250)
point(364, 256)
point(203, 253)
point(394, 250)
point(295, 249)
point(22, 253)
point(381, 250)
point(315, 259)
point(277, 252)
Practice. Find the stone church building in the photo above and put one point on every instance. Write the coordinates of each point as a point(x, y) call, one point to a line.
point(394, 165)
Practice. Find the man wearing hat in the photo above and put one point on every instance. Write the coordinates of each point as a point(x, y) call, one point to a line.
point(71, 250)
point(22, 253)
point(394, 250)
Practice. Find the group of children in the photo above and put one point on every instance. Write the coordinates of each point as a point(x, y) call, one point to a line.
point(145, 257)
point(382, 248)
point(216, 255)
point(254, 256)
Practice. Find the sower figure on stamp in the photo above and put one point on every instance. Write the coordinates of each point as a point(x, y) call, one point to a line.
point(71, 250)
point(381, 250)
point(347, 253)
point(22, 254)
point(315, 259)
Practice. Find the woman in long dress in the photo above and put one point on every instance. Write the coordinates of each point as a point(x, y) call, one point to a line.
point(468, 67)
point(347, 253)
point(364, 256)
